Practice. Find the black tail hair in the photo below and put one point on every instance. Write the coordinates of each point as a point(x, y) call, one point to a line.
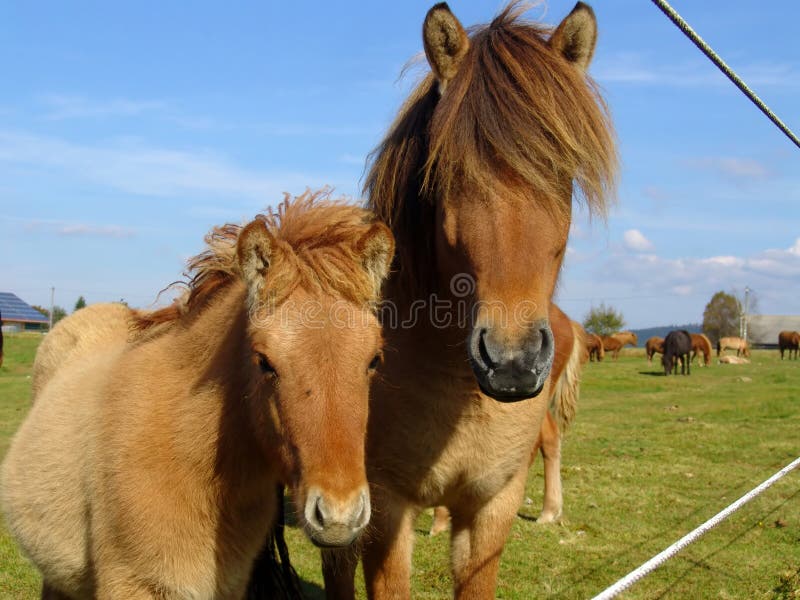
point(273, 577)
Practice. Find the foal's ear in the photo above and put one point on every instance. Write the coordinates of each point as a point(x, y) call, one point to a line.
point(446, 43)
point(576, 36)
point(254, 250)
point(376, 249)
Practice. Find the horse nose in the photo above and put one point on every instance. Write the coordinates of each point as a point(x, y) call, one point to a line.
point(512, 372)
point(331, 522)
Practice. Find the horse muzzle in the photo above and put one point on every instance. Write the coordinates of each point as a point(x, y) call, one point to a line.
point(330, 522)
point(512, 372)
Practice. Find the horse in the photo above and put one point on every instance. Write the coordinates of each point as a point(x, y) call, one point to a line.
point(700, 343)
point(570, 355)
point(733, 343)
point(506, 124)
point(677, 346)
point(787, 340)
point(172, 440)
point(594, 346)
point(615, 342)
point(652, 346)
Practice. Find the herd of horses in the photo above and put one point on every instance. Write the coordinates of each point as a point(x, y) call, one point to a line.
point(150, 461)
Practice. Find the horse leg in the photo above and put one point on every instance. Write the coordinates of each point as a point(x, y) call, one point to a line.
point(478, 538)
point(441, 519)
point(386, 554)
point(339, 572)
point(551, 453)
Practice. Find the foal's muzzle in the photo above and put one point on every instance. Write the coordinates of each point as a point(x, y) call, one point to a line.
point(510, 373)
point(330, 522)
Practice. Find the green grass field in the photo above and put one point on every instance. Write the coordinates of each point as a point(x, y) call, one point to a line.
point(648, 459)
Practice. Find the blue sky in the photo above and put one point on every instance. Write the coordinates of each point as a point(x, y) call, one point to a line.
point(127, 131)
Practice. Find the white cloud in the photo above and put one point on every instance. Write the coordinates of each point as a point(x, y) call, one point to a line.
point(636, 241)
point(72, 229)
point(742, 168)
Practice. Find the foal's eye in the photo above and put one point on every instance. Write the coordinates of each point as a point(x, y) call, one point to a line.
point(373, 364)
point(264, 365)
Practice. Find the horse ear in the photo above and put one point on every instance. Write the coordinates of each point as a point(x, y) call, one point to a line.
point(446, 43)
point(254, 251)
point(376, 249)
point(576, 36)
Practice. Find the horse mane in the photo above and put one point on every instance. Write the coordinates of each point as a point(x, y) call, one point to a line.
point(517, 115)
point(316, 240)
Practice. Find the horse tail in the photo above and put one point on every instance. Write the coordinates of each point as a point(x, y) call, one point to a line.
point(273, 575)
point(564, 399)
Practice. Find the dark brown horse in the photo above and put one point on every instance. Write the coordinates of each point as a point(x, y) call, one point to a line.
point(789, 340)
point(506, 124)
point(677, 346)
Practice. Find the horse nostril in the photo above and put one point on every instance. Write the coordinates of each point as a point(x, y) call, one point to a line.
point(319, 515)
point(483, 350)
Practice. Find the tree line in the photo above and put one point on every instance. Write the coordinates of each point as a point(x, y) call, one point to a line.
point(721, 317)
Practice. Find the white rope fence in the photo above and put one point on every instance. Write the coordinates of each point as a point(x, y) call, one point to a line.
point(656, 561)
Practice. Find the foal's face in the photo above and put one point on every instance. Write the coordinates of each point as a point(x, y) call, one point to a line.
point(315, 358)
point(513, 249)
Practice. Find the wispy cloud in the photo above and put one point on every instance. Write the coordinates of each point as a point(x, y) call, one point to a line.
point(73, 229)
point(135, 168)
point(740, 168)
point(642, 69)
point(65, 106)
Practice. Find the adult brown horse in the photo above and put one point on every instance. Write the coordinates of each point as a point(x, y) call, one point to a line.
point(701, 344)
point(652, 346)
point(570, 355)
point(170, 445)
point(615, 342)
point(789, 340)
point(505, 125)
point(594, 346)
point(733, 343)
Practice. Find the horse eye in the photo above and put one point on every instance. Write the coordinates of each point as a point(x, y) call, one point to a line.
point(373, 364)
point(264, 365)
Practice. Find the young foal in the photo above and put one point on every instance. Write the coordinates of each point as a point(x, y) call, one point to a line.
point(148, 470)
point(475, 178)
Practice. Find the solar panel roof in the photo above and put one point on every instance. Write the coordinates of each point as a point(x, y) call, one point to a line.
point(14, 309)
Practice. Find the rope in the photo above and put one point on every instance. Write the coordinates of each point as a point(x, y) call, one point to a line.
point(653, 563)
point(714, 57)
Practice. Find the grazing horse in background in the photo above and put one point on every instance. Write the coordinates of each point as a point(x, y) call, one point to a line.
point(171, 443)
point(615, 342)
point(506, 124)
point(652, 346)
point(733, 343)
point(570, 355)
point(594, 346)
point(787, 340)
point(677, 346)
point(700, 343)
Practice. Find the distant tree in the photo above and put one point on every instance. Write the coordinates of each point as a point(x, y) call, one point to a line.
point(721, 316)
point(58, 314)
point(38, 308)
point(603, 320)
point(80, 303)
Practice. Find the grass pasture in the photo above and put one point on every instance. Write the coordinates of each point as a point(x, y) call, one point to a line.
point(648, 459)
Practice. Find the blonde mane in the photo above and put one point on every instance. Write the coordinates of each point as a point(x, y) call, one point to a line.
point(517, 116)
point(316, 250)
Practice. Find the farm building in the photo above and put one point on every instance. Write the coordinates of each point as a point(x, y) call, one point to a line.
point(17, 315)
point(763, 330)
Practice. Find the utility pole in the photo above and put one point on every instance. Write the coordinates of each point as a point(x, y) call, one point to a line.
point(52, 305)
point(744, 316)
